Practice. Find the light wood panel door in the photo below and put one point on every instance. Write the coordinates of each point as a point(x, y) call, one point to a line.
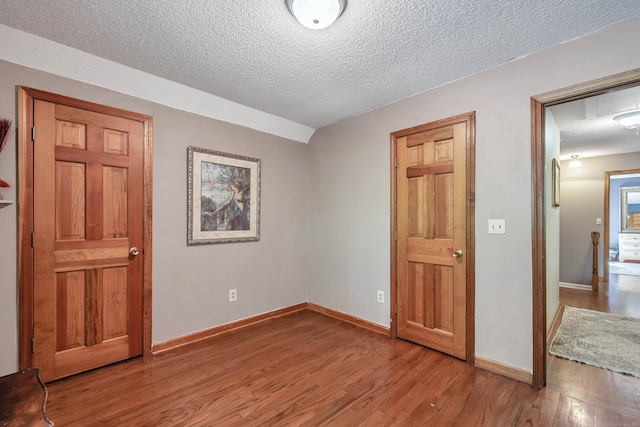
point(87, 222)
point(431, 200)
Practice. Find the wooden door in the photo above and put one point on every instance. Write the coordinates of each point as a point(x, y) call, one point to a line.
point(87, 222)
point(432, 247)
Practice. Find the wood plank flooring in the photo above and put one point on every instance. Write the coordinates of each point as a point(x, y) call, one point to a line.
point(621, 295)
point(604, 392)
point(307, 369)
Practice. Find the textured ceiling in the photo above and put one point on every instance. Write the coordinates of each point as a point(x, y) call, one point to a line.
point(256, 54)
point(587, 127)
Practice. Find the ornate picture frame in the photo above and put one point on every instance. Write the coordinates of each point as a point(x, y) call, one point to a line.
point(223, 197)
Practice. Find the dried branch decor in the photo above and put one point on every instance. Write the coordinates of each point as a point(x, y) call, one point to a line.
point(5, 127)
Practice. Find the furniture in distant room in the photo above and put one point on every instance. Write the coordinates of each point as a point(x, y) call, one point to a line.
point(23, 398)
point(629, 247)
point(629, 236)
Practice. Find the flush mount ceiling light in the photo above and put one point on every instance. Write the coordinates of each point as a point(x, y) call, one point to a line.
point(316, 14)
point(575, 163)
point(630, 120)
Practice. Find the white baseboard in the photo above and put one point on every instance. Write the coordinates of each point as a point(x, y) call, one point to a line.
point(575, 286)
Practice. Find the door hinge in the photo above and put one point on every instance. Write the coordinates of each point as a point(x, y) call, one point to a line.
point(396, 235)
point(33, 345)
point(396, 308)
point(33, 240)
point(33, 133)
point(395, 162)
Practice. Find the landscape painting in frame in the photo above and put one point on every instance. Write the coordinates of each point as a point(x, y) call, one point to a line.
point(223, 197)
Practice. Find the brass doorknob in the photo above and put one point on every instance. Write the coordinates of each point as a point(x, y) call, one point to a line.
point(457, 253)
point(133, 251)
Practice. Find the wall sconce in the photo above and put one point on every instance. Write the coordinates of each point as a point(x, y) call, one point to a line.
point(316, 14)
point(575, 163)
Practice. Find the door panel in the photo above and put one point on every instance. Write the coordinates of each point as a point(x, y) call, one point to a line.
point(114, 201)
point(70, 316)
point(87, 215)
point(70, 201)
point(431, 222)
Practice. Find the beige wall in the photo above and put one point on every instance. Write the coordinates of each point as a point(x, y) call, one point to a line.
point(583, 202)
point(190, 284)
point(338, 187)
point(349, 181)
point(551, 217)
point(8, 241)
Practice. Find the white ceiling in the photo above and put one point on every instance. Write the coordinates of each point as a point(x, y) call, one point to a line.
point(256, 54)
point(587, 127)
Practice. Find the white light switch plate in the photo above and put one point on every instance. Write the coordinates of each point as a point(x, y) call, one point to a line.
point(497, 226)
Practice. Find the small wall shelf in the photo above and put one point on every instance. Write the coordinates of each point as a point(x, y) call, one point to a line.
point(4, 203)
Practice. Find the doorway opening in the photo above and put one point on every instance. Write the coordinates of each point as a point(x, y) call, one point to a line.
point(622, 222)
point(541, 201)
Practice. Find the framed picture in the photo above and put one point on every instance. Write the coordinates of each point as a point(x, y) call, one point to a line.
point(223, 197)
point(555, 183)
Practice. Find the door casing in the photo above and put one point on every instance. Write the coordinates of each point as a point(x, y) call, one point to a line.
point(470, 218)
point(539, 285)
point(26, 97)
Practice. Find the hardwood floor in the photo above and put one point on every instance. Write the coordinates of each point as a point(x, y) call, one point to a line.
point(309, 369)
point(604, 392)
point(620, 296)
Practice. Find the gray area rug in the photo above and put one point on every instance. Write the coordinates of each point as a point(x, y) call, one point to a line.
point(599, 339)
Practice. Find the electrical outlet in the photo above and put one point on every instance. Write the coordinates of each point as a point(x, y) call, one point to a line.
point(233, 295)
point(381, 297)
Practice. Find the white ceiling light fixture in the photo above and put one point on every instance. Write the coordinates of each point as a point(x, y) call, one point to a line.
point(316, 14)
point(630, 120)
point(575, 163)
